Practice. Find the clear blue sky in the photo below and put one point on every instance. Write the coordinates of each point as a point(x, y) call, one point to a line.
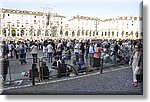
point(93, 8)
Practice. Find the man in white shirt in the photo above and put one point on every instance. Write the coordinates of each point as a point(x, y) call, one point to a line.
point(34, 52)
point(10, 48)
point(77, 51)
point(49, 52)
point(68, 44)
point(91, 53)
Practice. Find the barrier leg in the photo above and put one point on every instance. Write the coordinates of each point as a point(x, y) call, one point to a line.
point(101, 71)
point(33, 78)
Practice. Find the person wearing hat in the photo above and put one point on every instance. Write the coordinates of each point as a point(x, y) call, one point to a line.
point(135, 62)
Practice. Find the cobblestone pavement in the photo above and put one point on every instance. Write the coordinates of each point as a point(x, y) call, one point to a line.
point(114, 82)
point(16, 68)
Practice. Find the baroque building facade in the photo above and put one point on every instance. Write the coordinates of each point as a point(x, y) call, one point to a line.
point(27, 24)
point(21, 23)
point(125, 27)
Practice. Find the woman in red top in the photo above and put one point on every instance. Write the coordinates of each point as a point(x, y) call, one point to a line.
point(97, 56)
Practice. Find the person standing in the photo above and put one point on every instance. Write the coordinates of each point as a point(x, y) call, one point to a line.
point(22, 53)
point(34, 52)
point(59, 49)
point(82, 50)
point(17, 50)
point(135, 62)
point(68, 45)
point(10, 48)
point(5, 67)
point(77, 51)
point(86, 47)
point(91, 53)
point(5, 49)
point(115, 52)
point(49, 52)
point(44, 50)
point(97, 56)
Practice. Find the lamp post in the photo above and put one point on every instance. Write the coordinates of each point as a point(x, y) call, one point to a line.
point(9, 28)
point(0, 21)
point(1, 18)
point(31, 31)
point(96, 24)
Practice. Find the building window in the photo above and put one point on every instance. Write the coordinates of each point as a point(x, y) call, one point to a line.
point(82, 33)
point(61, 32)
point(135, 18)
point(136, 34)
point(112, 34)
point(142, 34)
point(8, 14)
point(34, 16)
point(34, 21)
point(122, 33)
point(126, 34)
point(96, 33)
point(108, 34)
point(4, 32)
point(117, 34)
point(66, 34)
point(22, 25)
point(105, 33)
point(102, 33)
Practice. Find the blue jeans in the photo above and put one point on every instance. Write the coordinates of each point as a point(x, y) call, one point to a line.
point(91, 59)
point(77, 57)
point(114, 59)
point(34, 58)
point(49, 55)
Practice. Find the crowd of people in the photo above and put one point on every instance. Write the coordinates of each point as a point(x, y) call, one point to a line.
point(86, 52)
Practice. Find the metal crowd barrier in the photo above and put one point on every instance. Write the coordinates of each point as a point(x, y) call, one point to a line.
point(17, 73)
point(45, 59)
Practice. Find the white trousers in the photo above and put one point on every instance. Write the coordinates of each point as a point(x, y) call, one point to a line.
point(135, 70)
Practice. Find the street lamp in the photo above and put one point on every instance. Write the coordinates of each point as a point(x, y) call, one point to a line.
point(31, 31)
point(2, 16)
point(9, 28)
point(96, 24)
